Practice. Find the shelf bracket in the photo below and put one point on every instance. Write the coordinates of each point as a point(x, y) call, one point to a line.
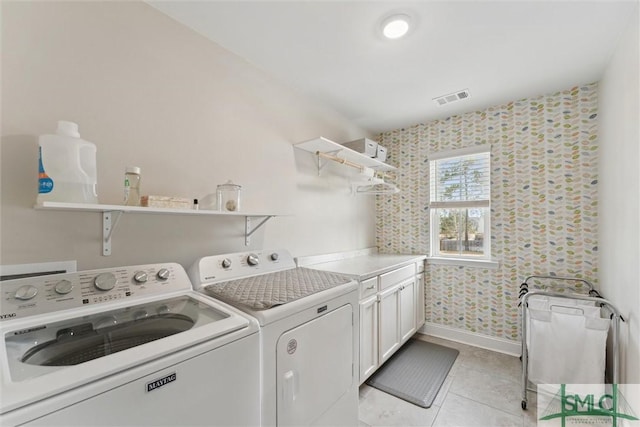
point(320, 155)
point(248, 230)
point(320, 165)
point(110, 221)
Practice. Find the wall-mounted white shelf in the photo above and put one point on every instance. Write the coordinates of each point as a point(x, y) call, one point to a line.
point(111, 215)
point(324, 145)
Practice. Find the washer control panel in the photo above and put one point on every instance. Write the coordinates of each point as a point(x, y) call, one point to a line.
point(225, 267)
point(47, 294)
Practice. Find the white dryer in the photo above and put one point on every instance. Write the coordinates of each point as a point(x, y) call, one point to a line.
point(124, 346)
point(309, 324)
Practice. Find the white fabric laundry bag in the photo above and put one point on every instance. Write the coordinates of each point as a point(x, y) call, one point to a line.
point(567, 348)
point(561, 305)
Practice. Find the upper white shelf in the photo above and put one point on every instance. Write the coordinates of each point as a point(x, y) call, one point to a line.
point(324, 145)
point(111, 215)
point(88, 207)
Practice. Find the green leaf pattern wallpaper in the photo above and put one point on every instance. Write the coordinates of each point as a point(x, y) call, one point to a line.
point(544, 204)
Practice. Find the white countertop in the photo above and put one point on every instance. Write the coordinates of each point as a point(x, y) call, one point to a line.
point(363, 265)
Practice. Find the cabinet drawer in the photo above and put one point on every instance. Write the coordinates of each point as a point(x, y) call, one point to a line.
point(395, 276)
point(368, 287)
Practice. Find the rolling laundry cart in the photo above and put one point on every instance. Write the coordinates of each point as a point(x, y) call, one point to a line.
point(560, 324)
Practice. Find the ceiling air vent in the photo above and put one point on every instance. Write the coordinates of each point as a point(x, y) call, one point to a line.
point(452, 97)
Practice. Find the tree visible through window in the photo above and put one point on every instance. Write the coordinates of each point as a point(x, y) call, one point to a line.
point(459, 203)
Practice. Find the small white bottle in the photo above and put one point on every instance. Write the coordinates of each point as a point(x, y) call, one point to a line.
point(132, 186)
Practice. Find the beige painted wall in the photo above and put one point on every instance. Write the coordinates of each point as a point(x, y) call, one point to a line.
point(152, 93)
point(619, 183)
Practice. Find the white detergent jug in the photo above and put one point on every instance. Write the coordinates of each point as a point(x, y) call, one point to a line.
point(67, 169)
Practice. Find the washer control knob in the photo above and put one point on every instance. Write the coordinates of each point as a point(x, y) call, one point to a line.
point(63, 287)
point(140, 277)
point(226, 263)
point(253, 259)
point(26, 292)
point(105, 281)
point(163, 274)
point(274, 256)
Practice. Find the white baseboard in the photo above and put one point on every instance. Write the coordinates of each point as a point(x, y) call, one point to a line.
point(501, 345)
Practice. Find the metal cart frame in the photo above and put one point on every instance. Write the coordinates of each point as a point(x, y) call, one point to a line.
point(593, 295)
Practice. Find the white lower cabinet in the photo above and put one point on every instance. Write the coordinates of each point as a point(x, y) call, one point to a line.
point(389, 324)
point(407, 311)
point(420, 301)
point(389, 307)
point(368, 336)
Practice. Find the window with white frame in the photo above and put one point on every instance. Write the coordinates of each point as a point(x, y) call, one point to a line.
point(459, 202)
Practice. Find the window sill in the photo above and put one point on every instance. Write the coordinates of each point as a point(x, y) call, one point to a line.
point(464, 262)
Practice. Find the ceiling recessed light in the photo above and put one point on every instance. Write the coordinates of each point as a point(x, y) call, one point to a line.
point(395, 26)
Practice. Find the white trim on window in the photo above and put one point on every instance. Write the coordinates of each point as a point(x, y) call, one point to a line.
point(460, 180)
point(466, 262)
point(461, 204)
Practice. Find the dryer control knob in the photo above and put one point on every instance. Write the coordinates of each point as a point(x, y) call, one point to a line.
point(63, 287)
point(105, 281)
point(274, 256)
point(226, 263)
point(140, 277)
point(26, 292)
point(163, 274)
point(253, 259)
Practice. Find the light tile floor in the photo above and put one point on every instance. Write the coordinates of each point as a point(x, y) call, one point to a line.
point(482, 389)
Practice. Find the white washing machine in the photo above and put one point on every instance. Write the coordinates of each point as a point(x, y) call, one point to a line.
point(124, 346)
point(309, 324)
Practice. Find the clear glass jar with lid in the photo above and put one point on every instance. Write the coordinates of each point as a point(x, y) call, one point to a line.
point(228, 197)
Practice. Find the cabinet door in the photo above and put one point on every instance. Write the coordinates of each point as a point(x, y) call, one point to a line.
point(420, 303)
point(407, 309)
point(389, 324)
point(368, 337)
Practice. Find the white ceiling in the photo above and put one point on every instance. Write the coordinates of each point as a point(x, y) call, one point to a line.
point(332, 50)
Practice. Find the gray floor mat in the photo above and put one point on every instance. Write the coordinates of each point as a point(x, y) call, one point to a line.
point(416, 372)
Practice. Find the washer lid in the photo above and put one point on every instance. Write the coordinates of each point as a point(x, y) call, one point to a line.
point(81, 343)
point(83, 339)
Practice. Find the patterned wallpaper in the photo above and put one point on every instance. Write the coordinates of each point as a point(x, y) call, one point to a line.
point(543, 210)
